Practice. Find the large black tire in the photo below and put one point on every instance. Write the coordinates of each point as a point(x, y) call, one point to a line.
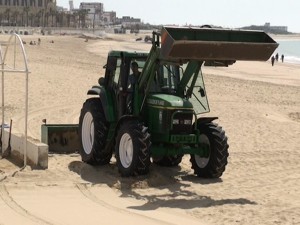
point(214, 165)
point(168, 161)
point(132, 149)
point(93, 129)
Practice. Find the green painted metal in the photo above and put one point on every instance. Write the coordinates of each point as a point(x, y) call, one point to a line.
point(164, 136)
point(160, 110)
point(147, 75)
point(154, 119)
point(109, 107)
point(111, 131)
point(183, 139)
point(127, 54)
point(107, 100)
point(167, 100)
point(149, 67)
point(162, 150)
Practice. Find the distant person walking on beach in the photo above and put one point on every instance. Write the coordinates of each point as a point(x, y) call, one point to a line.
point(282, 57)
point(273, 60)
point(276, 57)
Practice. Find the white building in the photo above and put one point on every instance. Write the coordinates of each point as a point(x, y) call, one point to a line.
point(71, 4)
point(128, 21)
point(94, 12)
point(268, 27)
point(109, 17)
point(95, 15)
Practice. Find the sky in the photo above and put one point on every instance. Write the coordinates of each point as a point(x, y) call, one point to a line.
point(225, 13)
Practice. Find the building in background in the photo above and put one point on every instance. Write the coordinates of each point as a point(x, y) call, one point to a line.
point(45, 13)
point(268, 28)
point(128, 21)
point(96, 16)
point(71, 4)
point(281, 29)
point(93, 12)
point(27, 12)
point(109, 18)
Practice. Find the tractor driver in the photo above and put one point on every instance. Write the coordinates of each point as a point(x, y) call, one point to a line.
point(133, 78)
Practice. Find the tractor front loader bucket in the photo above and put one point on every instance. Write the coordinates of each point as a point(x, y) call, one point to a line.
point(209, 44)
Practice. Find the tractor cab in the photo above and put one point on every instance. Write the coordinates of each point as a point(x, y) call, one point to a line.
point(117, 79)
point(165, 81)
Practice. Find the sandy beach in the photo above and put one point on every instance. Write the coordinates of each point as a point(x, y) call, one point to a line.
point(258, 107)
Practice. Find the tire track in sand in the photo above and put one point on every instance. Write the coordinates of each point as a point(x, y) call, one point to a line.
point(84, 190)
point(33, 116)
point(89, 195)
point(10, 202)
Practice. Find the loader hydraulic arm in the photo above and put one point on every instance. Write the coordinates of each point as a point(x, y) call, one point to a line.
point(149, 69)
point(147, 75)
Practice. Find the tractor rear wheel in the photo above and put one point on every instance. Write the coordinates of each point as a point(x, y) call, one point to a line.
point(214, 165)
point(93, 129)
point(133, 149)
point(168, 161)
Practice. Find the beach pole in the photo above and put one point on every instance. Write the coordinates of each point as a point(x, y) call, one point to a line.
point(2, 90)
point(15, 70)
point(26, 97)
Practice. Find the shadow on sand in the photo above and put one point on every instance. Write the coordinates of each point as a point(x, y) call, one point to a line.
point(172, 186)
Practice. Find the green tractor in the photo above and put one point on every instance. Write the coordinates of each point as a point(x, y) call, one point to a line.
point(158, 118)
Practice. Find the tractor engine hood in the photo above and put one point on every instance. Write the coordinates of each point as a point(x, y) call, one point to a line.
point(168, 101)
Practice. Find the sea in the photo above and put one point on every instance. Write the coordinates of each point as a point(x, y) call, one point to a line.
point(290, 49)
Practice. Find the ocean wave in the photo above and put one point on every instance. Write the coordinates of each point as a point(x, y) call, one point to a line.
point(291, 51)
point(292, 59)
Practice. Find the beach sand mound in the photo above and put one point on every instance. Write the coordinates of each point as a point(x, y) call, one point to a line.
point(92, 36)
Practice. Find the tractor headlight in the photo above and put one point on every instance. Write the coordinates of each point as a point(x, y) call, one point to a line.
point(187, 122)
point(176, 121)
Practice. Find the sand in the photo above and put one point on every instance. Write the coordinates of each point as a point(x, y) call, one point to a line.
point(258, 106)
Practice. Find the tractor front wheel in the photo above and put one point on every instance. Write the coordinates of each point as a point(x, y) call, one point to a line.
point(133, 149)
point(214, 165)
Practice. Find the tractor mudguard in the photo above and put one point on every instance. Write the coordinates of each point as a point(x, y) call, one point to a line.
point(106, 101)
point(125, 118)
point(114, 129)
point(203, 120)
point(95, 90)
